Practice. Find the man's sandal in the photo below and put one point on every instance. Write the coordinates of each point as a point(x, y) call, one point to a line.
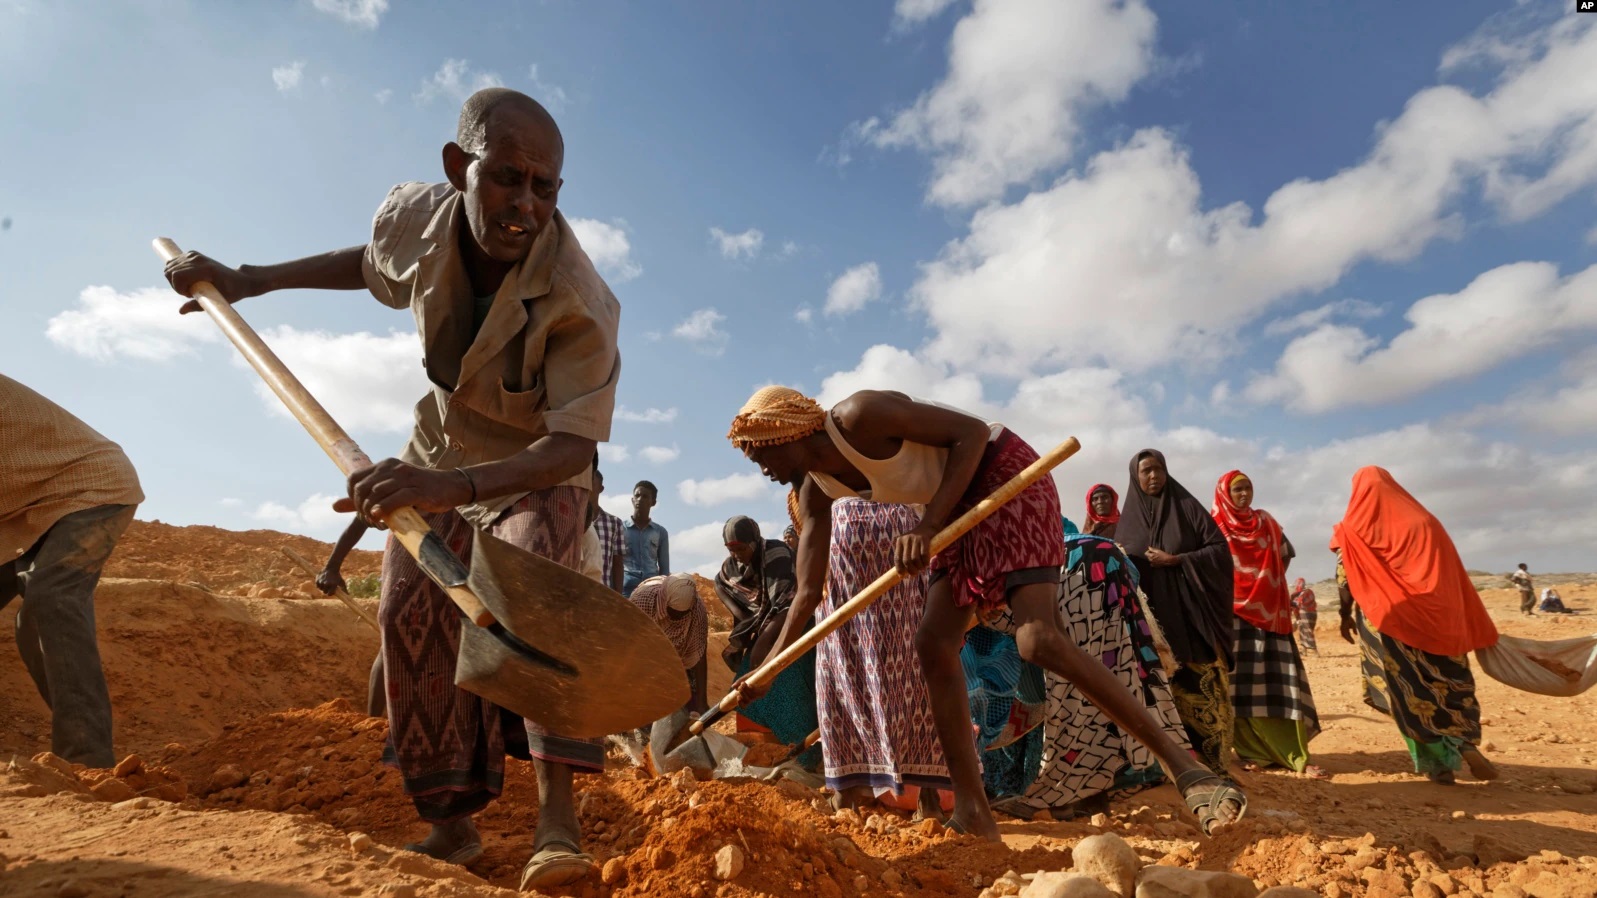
point(462, 856)
point(1214, 800)
point(558, 862)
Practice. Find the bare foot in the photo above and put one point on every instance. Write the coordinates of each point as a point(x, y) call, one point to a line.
point(974, 823)
point(452, 843)
point(929, 807)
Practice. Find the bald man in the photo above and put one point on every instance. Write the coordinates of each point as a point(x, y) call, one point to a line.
point(518, 335)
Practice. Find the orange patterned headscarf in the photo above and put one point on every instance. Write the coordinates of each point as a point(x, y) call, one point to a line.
point(773, 416)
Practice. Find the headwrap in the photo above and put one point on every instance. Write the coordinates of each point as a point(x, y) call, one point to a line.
point(773, 416)
point(1258, 565)
point(1113, 517)
point(741, 529)
point(1404, 571)
point(753, 593)
point(680, 593)
point(1298, 584)
point(1193, 600)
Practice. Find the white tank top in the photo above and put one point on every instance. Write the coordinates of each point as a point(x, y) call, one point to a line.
point(909, 478)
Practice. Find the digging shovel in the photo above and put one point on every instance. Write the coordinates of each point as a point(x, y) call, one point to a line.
point(675, 742)
point(539, 639)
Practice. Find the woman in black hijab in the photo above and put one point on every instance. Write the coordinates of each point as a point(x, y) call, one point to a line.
point(1185, 570)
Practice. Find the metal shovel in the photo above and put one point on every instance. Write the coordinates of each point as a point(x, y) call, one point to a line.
point(540, 639)
point(676, 742)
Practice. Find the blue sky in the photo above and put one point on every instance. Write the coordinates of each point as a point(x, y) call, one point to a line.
point(1288, 238)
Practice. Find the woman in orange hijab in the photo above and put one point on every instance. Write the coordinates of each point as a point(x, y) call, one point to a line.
point(1417, 616)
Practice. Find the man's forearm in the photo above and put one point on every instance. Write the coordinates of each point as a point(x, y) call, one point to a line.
point(551, 461)
point(337, 270)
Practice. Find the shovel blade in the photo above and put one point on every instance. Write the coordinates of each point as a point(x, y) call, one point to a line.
point(612, 668)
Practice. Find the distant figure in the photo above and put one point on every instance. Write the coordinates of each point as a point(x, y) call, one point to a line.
point(1410, 606)
point(612, 533)
point(790, 538)
point(1552, 603)
point(1305, 614)
point(648, 544)
point(1527, 589)
point(331, 580)
point(1103, 511)
point(66, 495)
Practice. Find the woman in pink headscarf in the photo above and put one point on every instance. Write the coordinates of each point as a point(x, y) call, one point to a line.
point(1305, 613)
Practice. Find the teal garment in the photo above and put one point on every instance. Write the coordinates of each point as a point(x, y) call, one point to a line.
point(1444, 755)
point(788, 708)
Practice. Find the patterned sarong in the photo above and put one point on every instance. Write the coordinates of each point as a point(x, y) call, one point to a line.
point(1018, 545)
point(1269, 680)
point(450, 744)
point(1305, 630)
point(1430, 697)
point(876, 714)
point(1084, 753)
point(1203, 698)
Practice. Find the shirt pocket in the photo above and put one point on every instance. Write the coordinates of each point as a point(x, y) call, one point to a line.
point(521, 409)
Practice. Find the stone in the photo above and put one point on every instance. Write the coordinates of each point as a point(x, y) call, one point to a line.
point(1489, 851)
point(130, 765)
point(1108, 859)
point(56, 762)
point(1288, 892)
point(1181, 882)
point(861, 883)
point(729, 862)
point(661, 858)
point(1065, 885)
point(227, 776)
point(134, 804)
point(1460, 815)
point(1445, 882)
point(113, 790)
point(1427, 889)
point(794, 789)
point(360, 842)
point(71, 888)
point(613, 872)
point(892, 878)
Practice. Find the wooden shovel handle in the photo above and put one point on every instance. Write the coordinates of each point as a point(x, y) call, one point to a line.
point(865, 597)
point(407, 524)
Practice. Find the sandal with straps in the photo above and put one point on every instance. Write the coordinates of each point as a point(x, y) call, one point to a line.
point(1209, 804)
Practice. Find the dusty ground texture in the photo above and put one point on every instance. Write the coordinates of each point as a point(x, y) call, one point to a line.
point(256, 776)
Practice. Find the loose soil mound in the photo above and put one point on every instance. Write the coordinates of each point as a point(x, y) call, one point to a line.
point(231, 562)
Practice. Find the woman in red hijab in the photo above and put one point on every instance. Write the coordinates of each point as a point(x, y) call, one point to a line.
point(1275, 714)
point(1103, 511)
point(1417, 616)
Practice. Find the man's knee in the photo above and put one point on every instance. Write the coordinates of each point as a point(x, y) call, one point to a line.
point(1038, 640)
point(935, 646)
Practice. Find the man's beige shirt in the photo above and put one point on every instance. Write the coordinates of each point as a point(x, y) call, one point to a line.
point(51, 465)
point(544, 362)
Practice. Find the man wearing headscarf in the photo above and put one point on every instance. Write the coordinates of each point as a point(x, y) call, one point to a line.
point(673, 602)
point(1103, 511)
point(1184, 566)
point(887, 447)
point(1414, 611)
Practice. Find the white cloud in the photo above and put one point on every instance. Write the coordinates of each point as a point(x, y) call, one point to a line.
point(288, 77)
point(1566, 411)
point(703, 330)
point(613, 453)
point(790, 248)
point(742, 245)
point(312, 517)
point(647, 416)
point(455, 80)
point(1503, 314)
point(1021, 74)
point(230, 502)
point(362, 13)
point(550, 95)
point(366, 382)
point(608, 246)
point(853, 289)
point(618, 504)
point(1126, 241)
point(1313, 318)
point(660, 455)
point(142, 325)
point(383, 96)
point(732, 488)
point(914, 12)
point(804, 315)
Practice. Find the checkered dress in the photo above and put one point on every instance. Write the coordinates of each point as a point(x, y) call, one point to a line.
point(612, 541)
point(1269, 680)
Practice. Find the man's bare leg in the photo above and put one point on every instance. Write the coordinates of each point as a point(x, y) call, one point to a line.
point(1042, 641)
point(557, 813)
point(938, 641)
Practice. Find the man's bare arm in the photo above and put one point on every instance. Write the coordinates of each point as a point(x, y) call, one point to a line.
point(391, 484)
point(337, 270)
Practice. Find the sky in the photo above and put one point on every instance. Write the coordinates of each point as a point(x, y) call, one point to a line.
point(1290, 239)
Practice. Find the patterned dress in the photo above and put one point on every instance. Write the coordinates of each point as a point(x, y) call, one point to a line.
point(876, 718)
point(1084, 753)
